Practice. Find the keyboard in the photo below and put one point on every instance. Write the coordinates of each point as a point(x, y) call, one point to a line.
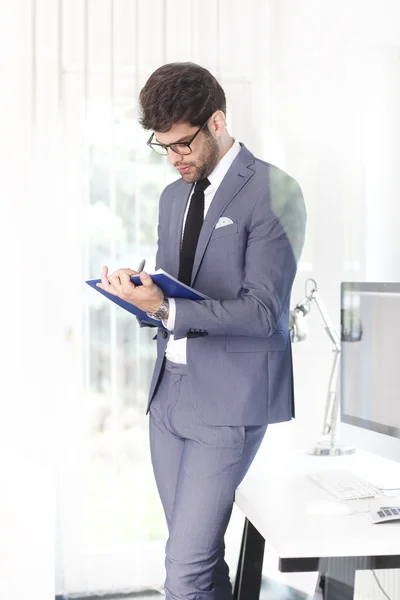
point(345, 485)
point(385, 514)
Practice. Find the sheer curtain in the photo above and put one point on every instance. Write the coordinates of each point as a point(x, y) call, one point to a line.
point(110, 528)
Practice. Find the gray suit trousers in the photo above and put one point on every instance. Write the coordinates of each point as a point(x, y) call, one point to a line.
point(197, 469)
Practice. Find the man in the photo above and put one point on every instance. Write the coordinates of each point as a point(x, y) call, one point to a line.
point(224, 365)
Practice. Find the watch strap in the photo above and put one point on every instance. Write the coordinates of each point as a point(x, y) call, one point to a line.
point(161, 312)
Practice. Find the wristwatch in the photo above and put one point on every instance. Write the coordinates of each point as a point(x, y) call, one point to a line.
point(161, 312)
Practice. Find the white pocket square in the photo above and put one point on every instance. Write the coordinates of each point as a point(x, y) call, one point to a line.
point(223, 222)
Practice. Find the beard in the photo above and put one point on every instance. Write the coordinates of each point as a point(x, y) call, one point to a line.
point(206, 162)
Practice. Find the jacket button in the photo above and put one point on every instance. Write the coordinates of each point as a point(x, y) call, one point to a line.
point(164, 334)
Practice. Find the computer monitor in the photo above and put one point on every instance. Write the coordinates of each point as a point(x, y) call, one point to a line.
point(370, 367)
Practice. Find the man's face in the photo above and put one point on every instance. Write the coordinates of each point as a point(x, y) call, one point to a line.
point(203, 157)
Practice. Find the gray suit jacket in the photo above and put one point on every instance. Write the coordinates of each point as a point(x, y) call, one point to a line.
point(239, 356)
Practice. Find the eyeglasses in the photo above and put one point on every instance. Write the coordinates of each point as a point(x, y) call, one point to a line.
point(178, 147)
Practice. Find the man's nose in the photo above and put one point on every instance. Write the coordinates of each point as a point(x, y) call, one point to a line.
point(173, 157)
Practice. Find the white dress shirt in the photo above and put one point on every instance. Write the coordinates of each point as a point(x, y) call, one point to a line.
point(176, 349)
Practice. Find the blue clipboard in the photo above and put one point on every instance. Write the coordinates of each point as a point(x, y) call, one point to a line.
point(172, 288)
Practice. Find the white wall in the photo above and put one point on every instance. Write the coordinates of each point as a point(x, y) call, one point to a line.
point(336, 77)
point(336, 90)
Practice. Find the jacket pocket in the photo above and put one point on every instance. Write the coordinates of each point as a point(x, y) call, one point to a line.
point(224, 231)
point(277, 341)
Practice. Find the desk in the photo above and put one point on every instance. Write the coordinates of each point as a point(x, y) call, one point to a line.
point(275, 497)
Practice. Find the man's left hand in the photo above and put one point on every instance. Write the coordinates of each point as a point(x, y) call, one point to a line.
point(147, 297)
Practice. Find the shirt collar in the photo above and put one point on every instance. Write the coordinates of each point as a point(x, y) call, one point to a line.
point(215, 178)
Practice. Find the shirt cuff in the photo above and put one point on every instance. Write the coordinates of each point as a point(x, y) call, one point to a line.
point(170, 322)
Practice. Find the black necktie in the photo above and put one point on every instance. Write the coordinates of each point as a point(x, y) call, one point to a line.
point(194, 222)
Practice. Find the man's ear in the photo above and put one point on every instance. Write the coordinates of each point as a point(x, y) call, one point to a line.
point(218, 123)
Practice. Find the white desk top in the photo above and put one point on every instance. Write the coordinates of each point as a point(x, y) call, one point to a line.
point(276, 495)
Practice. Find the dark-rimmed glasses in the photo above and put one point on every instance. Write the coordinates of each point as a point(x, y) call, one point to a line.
point(178, 147)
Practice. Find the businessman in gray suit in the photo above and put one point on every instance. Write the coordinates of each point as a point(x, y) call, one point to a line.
point(232, 227)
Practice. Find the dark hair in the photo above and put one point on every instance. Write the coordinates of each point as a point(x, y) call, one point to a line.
point(180, 92)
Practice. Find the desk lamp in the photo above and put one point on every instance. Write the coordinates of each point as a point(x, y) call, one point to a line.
point(328, 445)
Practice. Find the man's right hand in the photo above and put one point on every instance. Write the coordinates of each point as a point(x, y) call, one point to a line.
point(106, 279)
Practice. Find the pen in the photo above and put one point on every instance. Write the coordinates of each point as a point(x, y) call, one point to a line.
point(141, 266)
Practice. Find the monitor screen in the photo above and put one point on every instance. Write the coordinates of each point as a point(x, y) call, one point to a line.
point(370, 356)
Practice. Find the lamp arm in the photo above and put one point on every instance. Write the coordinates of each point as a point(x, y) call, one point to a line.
point(329, 328)
point(331, 407)
point(298, 333)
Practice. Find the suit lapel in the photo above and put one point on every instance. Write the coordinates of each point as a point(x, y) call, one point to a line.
point(237, 176)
